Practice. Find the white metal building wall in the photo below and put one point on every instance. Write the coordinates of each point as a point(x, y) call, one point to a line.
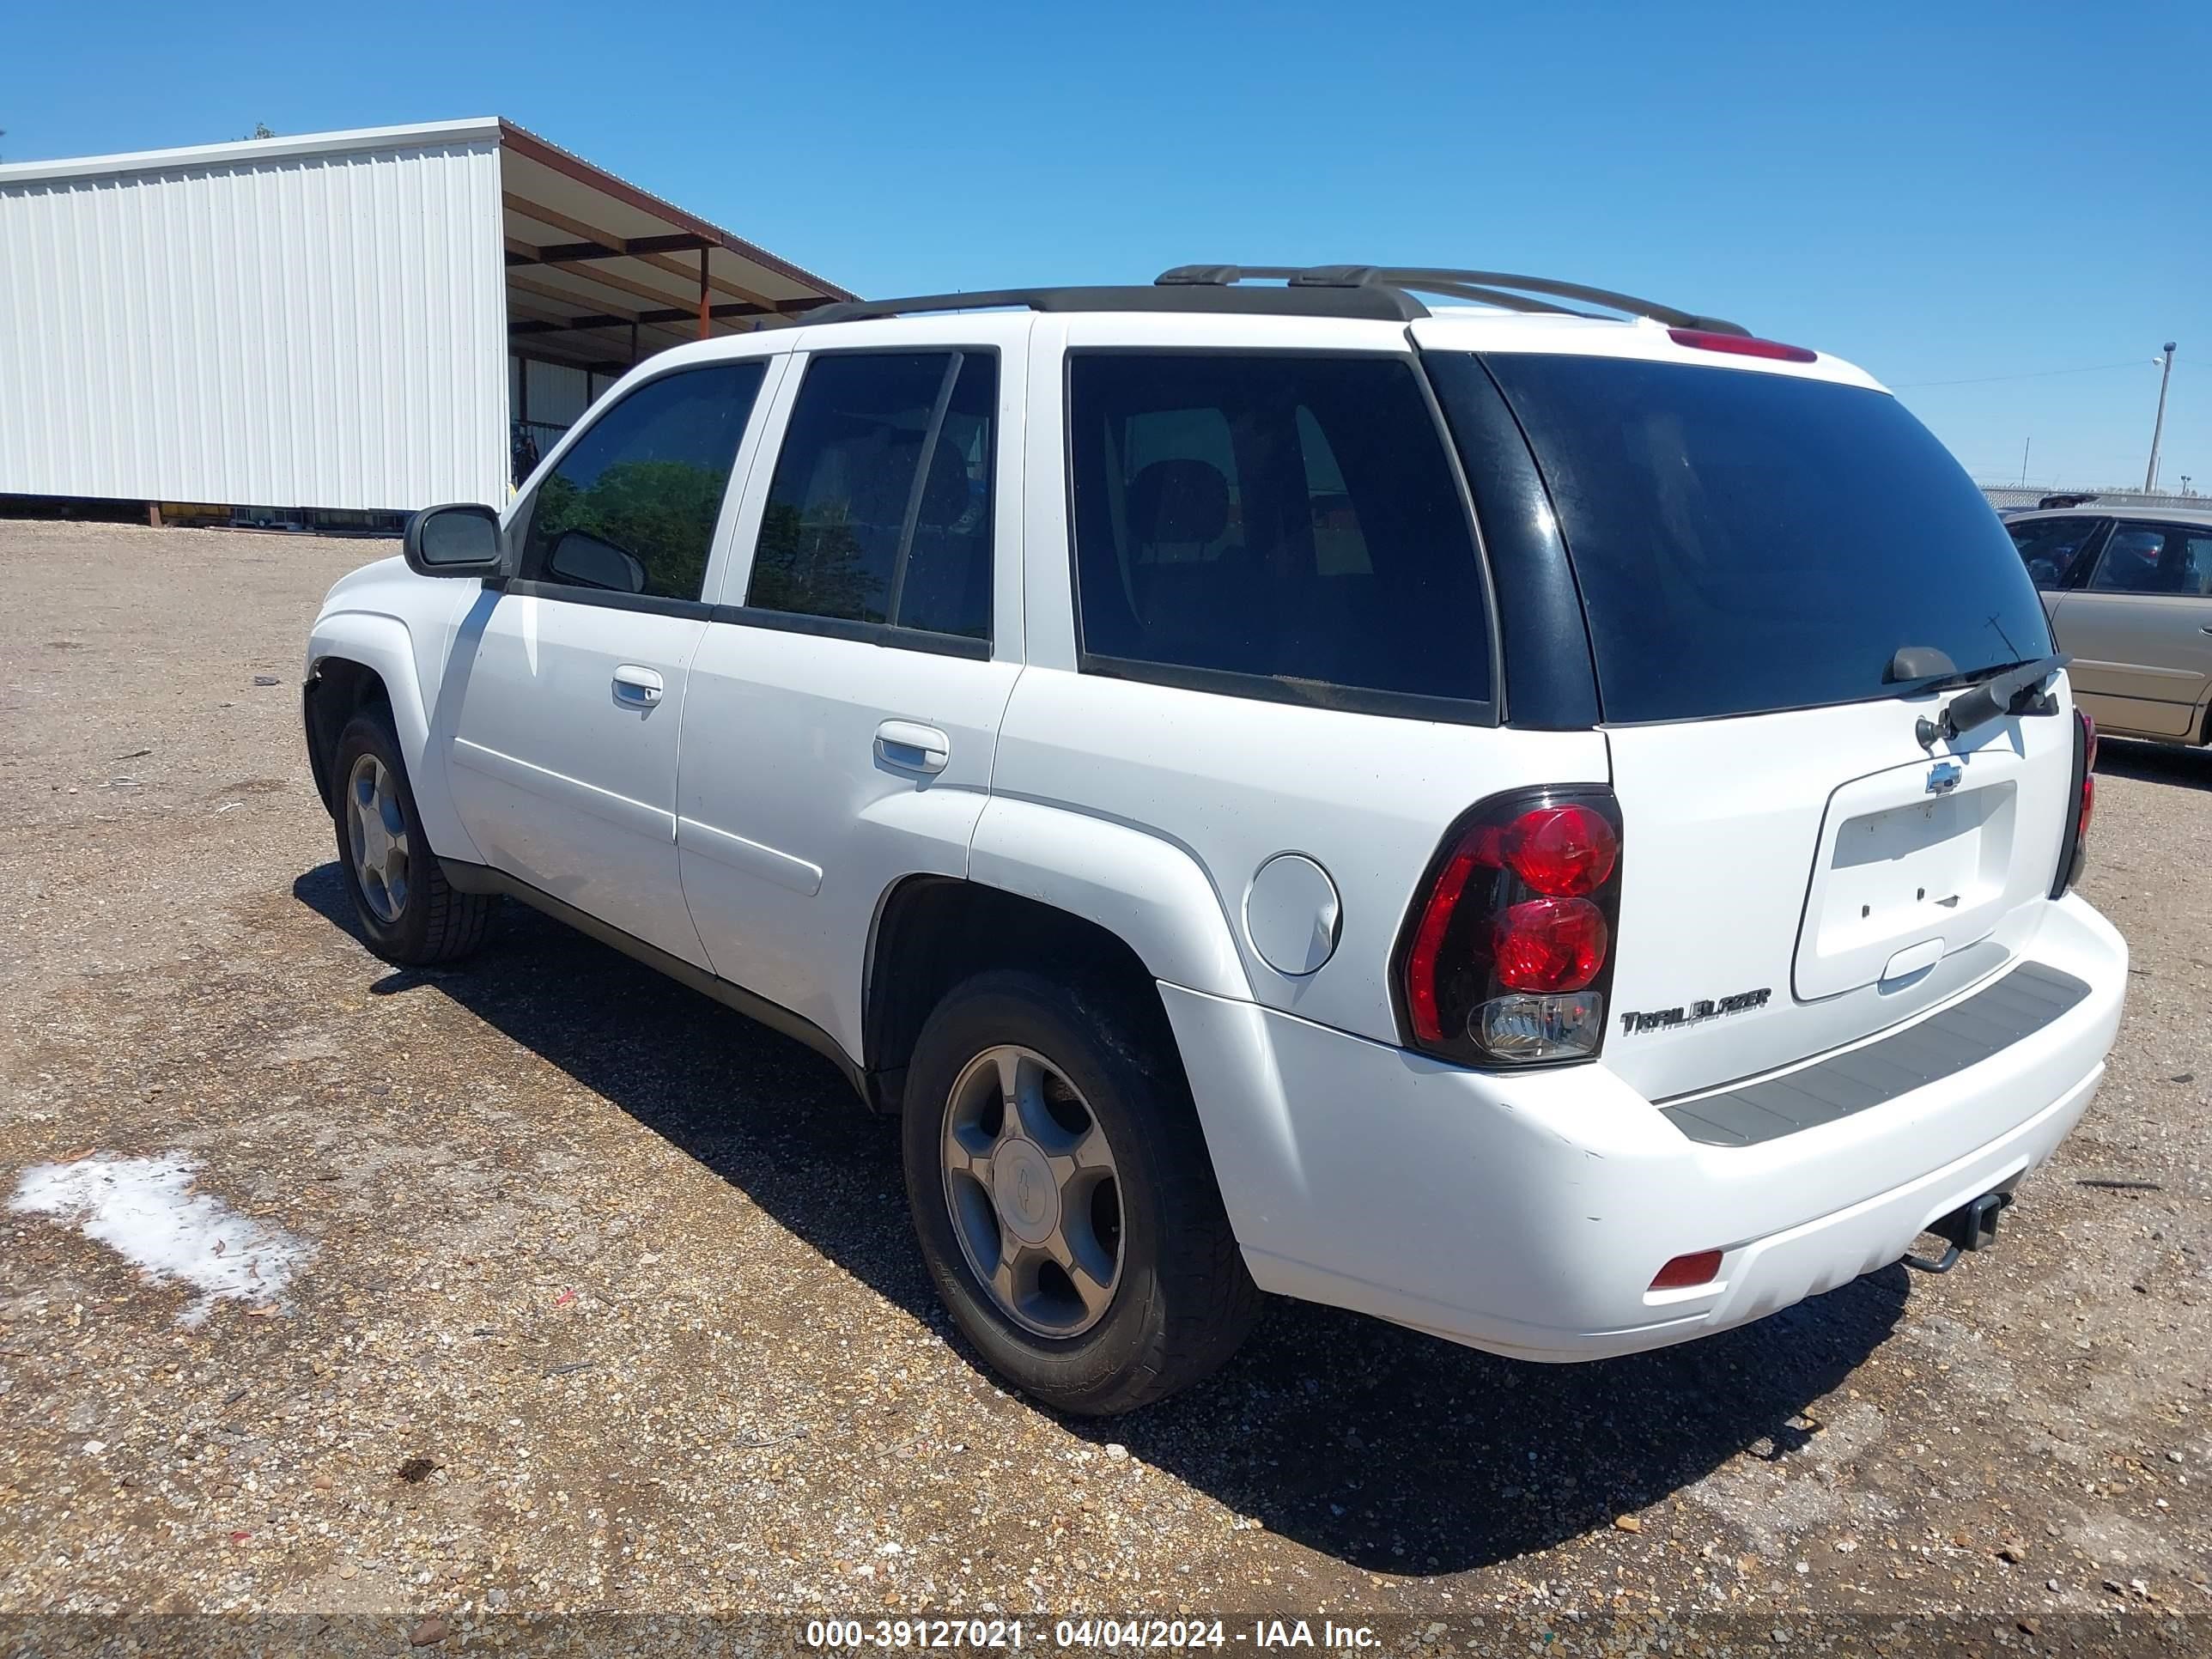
point(558, 393)
point(260, 328)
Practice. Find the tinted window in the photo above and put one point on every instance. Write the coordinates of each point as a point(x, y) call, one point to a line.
point(1295, 519)
point(2050, 547)
point(1746, 541)
point(632, 507)
point(2198, 557)
point(2150, 558)
point(880, 510)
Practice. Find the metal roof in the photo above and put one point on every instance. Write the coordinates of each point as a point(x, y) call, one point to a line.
point(421, 135)
point(599, 271)
point(590, 255)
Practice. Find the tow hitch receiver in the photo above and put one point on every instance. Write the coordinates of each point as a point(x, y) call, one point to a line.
point(1969, 1227)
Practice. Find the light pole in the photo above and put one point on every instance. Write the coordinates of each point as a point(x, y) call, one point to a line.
point(2157, 430)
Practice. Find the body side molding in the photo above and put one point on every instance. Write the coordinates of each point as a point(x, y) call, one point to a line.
point(484, 879)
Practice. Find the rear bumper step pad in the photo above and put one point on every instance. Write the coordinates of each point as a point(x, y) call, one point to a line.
point(1965, 1034)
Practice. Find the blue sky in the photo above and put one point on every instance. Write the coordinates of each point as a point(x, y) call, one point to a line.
point(1944, 193)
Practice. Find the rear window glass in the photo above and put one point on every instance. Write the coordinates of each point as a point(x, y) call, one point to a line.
point(1290, 521)
point(2156, 558)
point(1747, 542)
point(880, 508)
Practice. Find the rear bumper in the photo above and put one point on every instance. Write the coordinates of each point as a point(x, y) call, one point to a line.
point(1528, 1214)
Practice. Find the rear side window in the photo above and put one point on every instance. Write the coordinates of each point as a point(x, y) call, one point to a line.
point(1746, 542)
point(631, 509)
point(2050, 548)
point(1293, 522)
point(880, 510)
point(2156, 558)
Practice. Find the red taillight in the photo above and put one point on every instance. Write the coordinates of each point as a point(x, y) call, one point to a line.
point(1564, 851)
point(1504, 957)
point(2088, 802)
point(1685, 1271)
point(2073, 850)
point(1549, 944)
point(1743, 345)
point(1428, 943)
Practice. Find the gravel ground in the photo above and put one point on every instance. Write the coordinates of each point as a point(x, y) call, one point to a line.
point(607, 1298)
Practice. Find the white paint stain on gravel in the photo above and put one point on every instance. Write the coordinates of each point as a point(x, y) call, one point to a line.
point(148, 1210)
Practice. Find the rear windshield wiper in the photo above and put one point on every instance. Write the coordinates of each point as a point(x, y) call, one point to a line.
point(2013, 688)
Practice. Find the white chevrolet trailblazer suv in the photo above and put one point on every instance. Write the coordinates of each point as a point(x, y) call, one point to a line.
point(1553, 829)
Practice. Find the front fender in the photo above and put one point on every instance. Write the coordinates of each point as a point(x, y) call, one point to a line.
point(384, 643)
point(1148, 892)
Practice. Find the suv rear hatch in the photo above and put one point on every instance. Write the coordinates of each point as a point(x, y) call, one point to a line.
point(1754, 546)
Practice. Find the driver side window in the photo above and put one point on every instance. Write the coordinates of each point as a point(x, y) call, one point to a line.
point(632, 507)
point(2053, 548)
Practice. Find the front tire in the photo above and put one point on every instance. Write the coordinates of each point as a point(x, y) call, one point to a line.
point(1063, 1196)
point(409, 913)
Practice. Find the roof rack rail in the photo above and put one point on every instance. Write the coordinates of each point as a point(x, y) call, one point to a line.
point(1488, 287)
point(853, 311)
point(1383, 301)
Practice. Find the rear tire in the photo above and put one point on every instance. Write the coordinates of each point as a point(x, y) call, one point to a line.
point(409, 913)
point(1155, 1295)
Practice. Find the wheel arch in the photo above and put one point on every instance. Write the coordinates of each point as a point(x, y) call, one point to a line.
point(1050, 889)
point(932, 932)
point(337, 688)
point(355, 660)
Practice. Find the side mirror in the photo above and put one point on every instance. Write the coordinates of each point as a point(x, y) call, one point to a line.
point(461, 539)
point(585, 560)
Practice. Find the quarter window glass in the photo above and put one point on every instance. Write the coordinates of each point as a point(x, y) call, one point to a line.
point(2049, 547)
point(2148, 558)
point(1294, 518)
point(880, 509)
point(631, 508)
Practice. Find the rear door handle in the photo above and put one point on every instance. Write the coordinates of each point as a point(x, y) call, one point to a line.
point(635, 687)
point(912, 747)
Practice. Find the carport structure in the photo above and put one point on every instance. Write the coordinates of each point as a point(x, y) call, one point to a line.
point(316, 326)
point(600, 273)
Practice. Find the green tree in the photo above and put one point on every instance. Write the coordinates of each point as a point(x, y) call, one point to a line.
point(815, 567)
point(662, 513)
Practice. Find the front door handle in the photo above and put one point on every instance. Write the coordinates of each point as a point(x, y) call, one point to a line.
point(912, 747)
point(635, 687)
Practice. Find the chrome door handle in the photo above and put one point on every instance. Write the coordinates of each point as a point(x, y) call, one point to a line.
point(912, 747)
point(635, 687)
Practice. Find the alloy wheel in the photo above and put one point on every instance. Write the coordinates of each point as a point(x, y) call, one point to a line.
point(376, 831)
point(1035, 1195)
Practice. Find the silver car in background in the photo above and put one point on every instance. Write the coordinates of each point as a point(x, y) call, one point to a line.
point(2129, 596)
